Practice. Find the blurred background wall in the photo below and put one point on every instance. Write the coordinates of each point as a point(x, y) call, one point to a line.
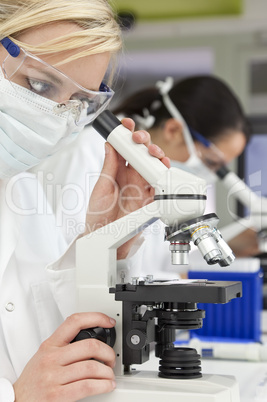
point(230, 42)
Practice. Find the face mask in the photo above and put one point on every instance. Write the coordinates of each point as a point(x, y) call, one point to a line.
point(29, 129)
point(195, 166)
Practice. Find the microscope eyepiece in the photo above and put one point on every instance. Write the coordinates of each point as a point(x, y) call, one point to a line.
point(105, 123)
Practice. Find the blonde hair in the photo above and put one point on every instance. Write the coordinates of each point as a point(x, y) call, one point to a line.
point(100, 31)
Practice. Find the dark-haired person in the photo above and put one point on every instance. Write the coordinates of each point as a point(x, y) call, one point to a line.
point(200, 125)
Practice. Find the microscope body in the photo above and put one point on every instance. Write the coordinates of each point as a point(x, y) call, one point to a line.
point(167, 306)
point(256, 205)
point(146, 311)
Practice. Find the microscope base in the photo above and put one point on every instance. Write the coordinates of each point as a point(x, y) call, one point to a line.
point(146, 386)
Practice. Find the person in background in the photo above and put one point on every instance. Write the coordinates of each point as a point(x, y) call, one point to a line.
point(200, 125)
point(53, 59)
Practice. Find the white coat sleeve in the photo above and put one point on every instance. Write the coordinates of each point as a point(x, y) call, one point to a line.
point(61, 276)
point(6, 391)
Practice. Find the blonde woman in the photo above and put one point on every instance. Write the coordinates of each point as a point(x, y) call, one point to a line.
point(53, 58)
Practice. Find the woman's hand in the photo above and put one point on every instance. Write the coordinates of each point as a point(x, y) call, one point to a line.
point(120, 189)
point(61, 371)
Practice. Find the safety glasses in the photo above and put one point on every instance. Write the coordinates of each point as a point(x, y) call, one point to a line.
point(39, 77)
point(210, 155)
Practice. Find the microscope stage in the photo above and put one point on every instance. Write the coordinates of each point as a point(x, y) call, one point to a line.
point(202, 291)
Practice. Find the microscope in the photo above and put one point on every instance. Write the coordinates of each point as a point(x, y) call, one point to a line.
point(256, 205)
point(148, 312)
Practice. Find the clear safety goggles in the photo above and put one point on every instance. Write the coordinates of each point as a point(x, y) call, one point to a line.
point(39, 77)
point(210, 155)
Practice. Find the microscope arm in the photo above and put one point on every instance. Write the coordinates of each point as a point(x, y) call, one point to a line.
point(101, 245)
point(257, 206)
point(238, 189)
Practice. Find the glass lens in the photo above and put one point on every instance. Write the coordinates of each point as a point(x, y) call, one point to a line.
point(211, 156)
point(43, 79)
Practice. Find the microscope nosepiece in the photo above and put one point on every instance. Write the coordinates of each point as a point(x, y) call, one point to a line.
point(204, 234)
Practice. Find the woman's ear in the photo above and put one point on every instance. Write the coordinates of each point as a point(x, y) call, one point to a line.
point(173, 131)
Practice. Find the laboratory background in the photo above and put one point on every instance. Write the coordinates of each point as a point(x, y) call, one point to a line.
point(180, 39)
point(227, 39)
point(194, 330)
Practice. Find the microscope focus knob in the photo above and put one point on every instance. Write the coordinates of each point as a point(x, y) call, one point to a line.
point(136, 339)
point(106, 335)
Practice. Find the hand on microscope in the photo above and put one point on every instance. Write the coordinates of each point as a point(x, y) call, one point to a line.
point(120, 189)
point(64, 371)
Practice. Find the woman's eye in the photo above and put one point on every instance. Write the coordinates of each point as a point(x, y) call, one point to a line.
point(39, 87)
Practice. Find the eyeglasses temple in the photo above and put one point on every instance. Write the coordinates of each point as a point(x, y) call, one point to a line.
point(204, 141)
point(10, 46)
point(104, 88)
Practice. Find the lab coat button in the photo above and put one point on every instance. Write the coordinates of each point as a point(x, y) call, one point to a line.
point(10, 307)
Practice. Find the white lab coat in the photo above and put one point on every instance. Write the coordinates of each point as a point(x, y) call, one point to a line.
point(41, 213)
